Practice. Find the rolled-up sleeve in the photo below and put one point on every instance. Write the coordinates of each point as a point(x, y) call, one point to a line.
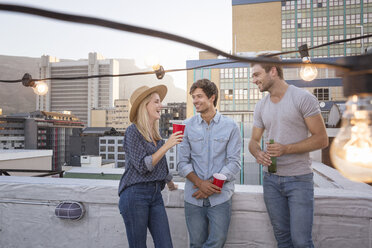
point(233, 149)
point(184, 157)
point(136, 153)
point(169, 178)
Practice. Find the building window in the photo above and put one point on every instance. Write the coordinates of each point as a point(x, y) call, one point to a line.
point(325, 115)
point(102, 149)
point(121, 156)
point(103, 156)
point(102, 141)
point(227, 94)
point(120, 149)
point(171, 166)
point(111, 148)
point(111, 141)
point(111, 156)
point(322, 94)
point(121, 164)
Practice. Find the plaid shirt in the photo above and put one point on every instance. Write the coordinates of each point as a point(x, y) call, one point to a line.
point(138, 161)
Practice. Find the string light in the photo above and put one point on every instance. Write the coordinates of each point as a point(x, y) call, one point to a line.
point(351, 150)
point(39, 87)
point(308, 71)
point(159, 71)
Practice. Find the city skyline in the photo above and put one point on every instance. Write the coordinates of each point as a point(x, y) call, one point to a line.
point(208, 22)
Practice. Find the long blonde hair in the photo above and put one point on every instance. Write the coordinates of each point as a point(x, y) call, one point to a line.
point(142, 121)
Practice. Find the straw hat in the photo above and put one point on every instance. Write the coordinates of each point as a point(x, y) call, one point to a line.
point(141, 93)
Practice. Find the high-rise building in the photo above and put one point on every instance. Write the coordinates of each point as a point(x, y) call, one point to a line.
point(80, 95)
point(117, 117)
point(296, 22)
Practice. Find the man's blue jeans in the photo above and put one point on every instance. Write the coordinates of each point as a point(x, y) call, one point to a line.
point(290, 203)
point(141, 206)
point(201, 219)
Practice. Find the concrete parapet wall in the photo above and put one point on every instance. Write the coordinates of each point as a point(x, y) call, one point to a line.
point(27, 219)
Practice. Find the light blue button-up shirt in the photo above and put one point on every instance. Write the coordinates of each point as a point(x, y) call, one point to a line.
point(208, 149)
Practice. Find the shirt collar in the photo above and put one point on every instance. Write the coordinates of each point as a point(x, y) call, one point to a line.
point(215, 119)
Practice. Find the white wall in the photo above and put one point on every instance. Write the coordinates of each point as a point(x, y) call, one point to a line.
point(27, 219)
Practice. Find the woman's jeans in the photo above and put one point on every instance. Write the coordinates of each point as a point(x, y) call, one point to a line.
point(290, 203)
point(208, 226)
point(142, 207)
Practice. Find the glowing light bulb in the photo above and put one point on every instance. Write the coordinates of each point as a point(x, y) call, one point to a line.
point(40, 88)
point(351, 150)
point(308, 72)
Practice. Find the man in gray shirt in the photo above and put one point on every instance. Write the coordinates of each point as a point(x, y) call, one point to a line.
point(287, 115)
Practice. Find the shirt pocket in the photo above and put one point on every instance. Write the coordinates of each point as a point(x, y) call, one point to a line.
point(220, 144)
point(196, 145)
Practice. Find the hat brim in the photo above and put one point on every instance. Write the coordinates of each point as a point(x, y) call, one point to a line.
point(160, 89)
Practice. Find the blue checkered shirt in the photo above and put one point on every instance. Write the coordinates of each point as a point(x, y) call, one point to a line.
point(138, 161)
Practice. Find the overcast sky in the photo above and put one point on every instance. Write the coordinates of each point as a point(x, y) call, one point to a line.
point(206, 21)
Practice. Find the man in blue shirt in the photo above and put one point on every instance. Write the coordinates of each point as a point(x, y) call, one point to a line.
point(211, 144)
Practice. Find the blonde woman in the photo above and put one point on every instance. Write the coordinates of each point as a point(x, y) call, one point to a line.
point(146, 171)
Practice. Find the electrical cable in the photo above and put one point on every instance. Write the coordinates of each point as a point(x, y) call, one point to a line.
point(322, 45)
point(153, 33)
point(159, 34)
point(116, 75)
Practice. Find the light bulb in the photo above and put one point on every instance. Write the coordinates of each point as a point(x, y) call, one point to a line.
point(40, 88)
point(351, 150)
point(308, 72)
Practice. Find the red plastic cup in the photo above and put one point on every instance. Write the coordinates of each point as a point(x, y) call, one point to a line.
point(178, 127)
point(219, 179)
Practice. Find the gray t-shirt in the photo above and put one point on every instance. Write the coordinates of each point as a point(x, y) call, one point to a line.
point(284, 122)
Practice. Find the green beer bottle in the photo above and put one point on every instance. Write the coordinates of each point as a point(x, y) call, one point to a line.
point(272, 167)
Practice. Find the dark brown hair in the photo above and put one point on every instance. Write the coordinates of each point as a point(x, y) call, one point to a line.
point(208, 87)
point(267, 67)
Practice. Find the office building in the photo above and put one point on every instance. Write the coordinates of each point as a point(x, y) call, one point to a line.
point(111, 150)
point(117, 117)
point(80, 95)
point(296, 22)
point(171, 112)
point(40, 130)
point(97, 141)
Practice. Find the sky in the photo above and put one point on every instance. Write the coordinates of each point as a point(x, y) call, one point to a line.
point(206, 21)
